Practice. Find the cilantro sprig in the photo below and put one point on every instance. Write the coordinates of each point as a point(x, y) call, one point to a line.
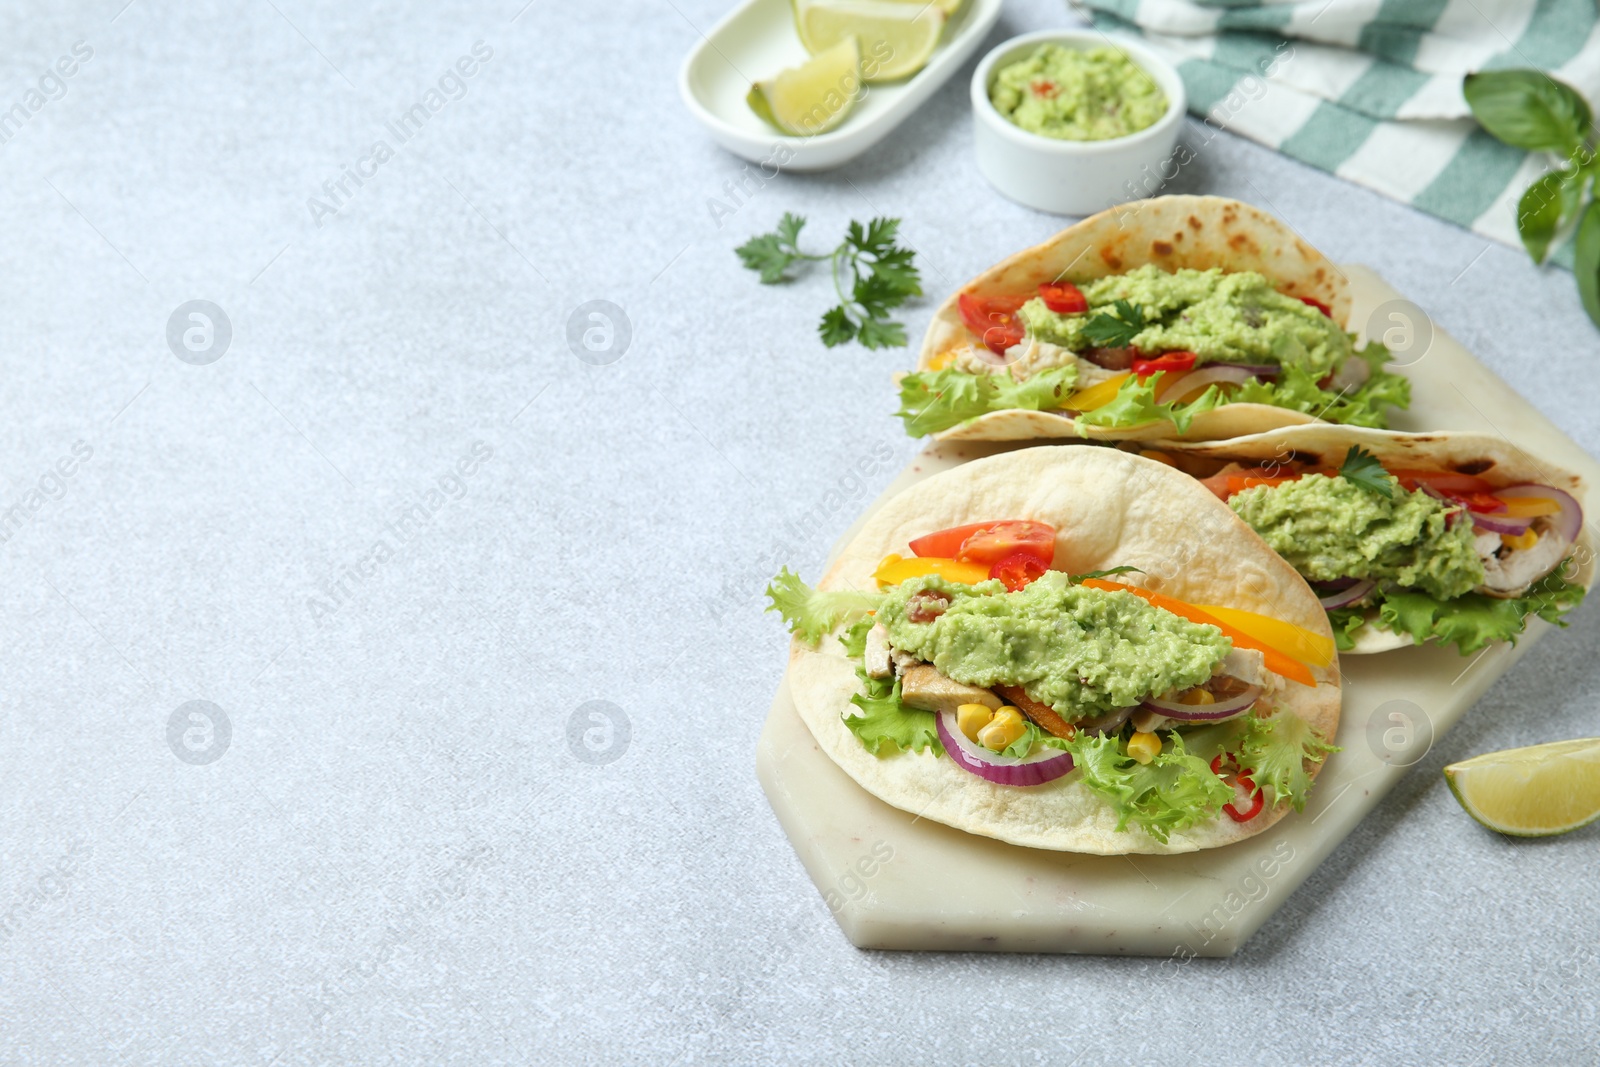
point(1115, 331)
point(871, 274)
point(1362, 468)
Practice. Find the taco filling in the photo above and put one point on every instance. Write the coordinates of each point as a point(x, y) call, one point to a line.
point(973, 649)
point(1432, 554)
point(1150, 345)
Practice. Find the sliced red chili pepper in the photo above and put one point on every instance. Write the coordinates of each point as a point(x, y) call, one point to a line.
point(1043, 87)
point(1018, 569)
point(1319, 305)
point(1063, 298)
point(1177, 362)
point(1258, 801)
point(1239, 779)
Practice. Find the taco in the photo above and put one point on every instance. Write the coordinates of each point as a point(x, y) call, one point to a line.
point(1190, 316)
point(1456, 538)
point(1067, 648)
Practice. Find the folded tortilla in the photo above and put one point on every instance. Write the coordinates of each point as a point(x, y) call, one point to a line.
point(1171, 232)
point(1109, 509)
point(1487, 456)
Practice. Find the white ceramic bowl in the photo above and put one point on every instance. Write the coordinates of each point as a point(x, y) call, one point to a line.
point(1074, 177)
point(757, 39)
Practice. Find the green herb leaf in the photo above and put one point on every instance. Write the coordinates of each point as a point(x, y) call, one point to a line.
point(1545, 207)
point(1528, 109)
point(881, 333)
point(1076, 578)
point(766, 255)
point(880, 275)
point(1362, 468)
point(836, 327)
point(1586, 262)
point(1115, 331)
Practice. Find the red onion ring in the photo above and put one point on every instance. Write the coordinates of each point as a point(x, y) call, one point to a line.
point(1258, 370)
point(1333, 585)
point(1037, 768)
point(1347, 596)
point(1567, 523)
point(1216, 373)
point(1495, 524)
point(1222, 709)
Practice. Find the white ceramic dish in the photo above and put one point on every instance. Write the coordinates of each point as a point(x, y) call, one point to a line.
point(758, 39)
point(1074, 177)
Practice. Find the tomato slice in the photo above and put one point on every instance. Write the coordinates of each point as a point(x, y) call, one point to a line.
point(1173, 361)
point(1018, 569)
point(1063, 298)
point(946, 542)
point(1448, 482)
point(999, 540)
point(993, 318)
point(1319, 305)
point(990, 542)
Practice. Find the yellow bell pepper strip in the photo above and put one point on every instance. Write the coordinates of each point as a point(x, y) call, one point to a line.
point(1524, 540)
point(1096, 396)
point(1277, 662)
point(1528, 507)
point(895, 569)
point(1309, 648)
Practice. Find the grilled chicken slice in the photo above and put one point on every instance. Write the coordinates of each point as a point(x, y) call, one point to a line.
point(1510, 572)
point(922, 686)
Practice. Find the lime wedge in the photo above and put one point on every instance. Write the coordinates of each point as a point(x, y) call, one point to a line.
point(1537, 791)
point(897, 36)
point(814, 97)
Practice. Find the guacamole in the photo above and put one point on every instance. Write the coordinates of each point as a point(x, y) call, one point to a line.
point(1331, 528)
point(1222, 317)
point(1082, 651)
point(1073, 94)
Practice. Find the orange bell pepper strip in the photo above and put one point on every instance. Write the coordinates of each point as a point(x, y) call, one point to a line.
point(1277, 661)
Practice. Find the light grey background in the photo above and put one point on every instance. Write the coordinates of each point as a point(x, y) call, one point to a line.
point(399, 857)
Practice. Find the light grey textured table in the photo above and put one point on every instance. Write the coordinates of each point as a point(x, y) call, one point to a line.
point(408, 851)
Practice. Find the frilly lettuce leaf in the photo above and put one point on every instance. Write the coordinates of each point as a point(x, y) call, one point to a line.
point(1174, 791)
point(811, 613)
point(1275, 750)
point(1472, 621)
point(1135, 404)
point(931, 401)
point(884, 720)
point(1368, 405)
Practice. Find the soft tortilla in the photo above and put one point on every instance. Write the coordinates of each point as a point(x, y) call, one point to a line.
point(1489, 456)
point(1110, 509)
point(1171, 232)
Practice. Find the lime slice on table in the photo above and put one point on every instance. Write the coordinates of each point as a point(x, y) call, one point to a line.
point(1537, 791)
point(897, 36)
point(814, 97)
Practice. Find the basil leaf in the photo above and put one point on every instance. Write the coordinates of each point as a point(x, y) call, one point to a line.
point(1586, 263)
point(1528, 109)
point(1545, 207)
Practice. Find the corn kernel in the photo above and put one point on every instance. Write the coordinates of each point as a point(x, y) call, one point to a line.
point(971, 718)
point(1525, 539)
point(942, 360)
point(1144, 747)
point(1004, 729)
point(1197, 696)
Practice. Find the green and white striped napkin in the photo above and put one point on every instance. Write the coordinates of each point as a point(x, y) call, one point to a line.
point(1370, 90)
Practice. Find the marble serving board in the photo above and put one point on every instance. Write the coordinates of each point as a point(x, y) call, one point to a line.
point(896, 881)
